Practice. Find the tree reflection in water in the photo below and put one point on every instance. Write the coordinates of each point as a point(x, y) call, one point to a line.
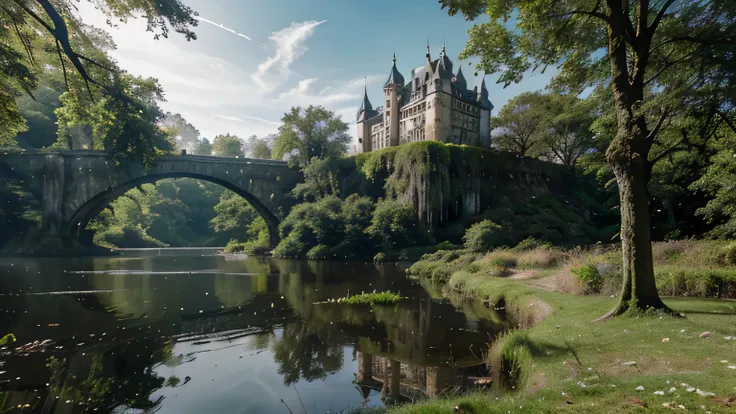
point(300, 352)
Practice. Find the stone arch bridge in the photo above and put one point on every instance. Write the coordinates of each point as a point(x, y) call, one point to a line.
point(74, 186)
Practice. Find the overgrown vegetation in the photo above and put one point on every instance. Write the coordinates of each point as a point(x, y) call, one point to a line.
point(372, 298)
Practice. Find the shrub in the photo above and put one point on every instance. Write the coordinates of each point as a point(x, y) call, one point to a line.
point(319, 251)
point(291, 246)
point(380, 257)
point(531, 244)
point(396, 225)
point(483, 236)
point(234, 246)
point(728, 254)
point(589, 276)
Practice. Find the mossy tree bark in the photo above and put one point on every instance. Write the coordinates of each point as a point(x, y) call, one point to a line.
point(628, 155)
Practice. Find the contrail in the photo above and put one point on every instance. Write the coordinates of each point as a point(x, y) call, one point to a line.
point(202, 19)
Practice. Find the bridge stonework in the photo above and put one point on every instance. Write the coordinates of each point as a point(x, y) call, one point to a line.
point(74, 186)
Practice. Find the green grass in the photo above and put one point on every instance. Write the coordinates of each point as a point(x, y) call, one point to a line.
point(372, 299)
point(568, 349)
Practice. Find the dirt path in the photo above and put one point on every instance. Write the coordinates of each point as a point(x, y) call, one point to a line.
point(532, 278)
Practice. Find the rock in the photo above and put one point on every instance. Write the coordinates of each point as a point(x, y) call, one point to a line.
point(730, 338)
point(665, 340)
point(704, 393)
point(706, 334)
point(658, 392)
point(639, 388)
point(690, 389)
point(731, 367)
point(671, 390)
point(724, 361)
point(630, 363)
point(666, 405)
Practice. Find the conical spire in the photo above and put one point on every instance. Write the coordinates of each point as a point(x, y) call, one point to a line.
point(460, 80)
point(395, 77)
point(444, 66)
point(366, 109)
point(482, 93)
point(428, 55)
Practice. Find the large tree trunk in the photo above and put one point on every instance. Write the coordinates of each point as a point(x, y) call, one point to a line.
point(639, 291)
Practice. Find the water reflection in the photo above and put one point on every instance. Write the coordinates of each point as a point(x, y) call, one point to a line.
point(188, 331)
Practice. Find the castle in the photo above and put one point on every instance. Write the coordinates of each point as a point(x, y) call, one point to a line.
point(436, 104)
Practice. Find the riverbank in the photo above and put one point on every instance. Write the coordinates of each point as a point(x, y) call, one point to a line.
point(560, 360)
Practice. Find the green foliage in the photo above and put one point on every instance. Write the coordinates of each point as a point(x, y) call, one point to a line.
point(308, 133)
point(319, 181)
point(718, 182)
point(227, 146)
point(728, 254)
point(531, 244)
point(441, 265)
point(372, 299)
point(203, 147)
point(123, 110)
point(337, 224)
point(510, 360)
point(7, 339)
point(395, 225)
point(483, 236)
point(259, 147)
point(589, 276)
point(520, 124)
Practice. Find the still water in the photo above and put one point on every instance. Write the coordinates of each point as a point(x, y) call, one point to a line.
point(191, 331)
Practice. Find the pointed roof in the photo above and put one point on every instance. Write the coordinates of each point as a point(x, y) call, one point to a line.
point(482, 92)
point(366, 109)
point(394, 78)
point(444, 65)
point(460, 81)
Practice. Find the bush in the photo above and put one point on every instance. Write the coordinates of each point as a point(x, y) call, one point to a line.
point(319, 251)
point(483, 236)
point(589, 276)
point(396, 226)
point(728, 254)
point(539, 258)
point(379, 258)
point(531, 244)
point(291, 247)
point(234, 246)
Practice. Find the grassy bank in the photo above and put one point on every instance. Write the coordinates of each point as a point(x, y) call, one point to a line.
point(561, 361)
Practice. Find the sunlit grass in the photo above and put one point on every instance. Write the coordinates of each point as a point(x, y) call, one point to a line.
point(372, 299)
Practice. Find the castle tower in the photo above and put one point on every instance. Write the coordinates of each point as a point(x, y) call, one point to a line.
point(365, 113)
point(485, 112)
point(391, 111)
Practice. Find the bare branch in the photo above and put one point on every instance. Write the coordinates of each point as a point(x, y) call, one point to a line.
point(35, 16)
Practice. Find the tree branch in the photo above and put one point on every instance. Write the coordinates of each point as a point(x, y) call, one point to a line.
point(728, 121)
point(35, 16)
point(657, 19)
point(658, 126)
point(63, 66)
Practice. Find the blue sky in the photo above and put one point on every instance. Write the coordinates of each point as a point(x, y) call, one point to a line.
point(270, 55)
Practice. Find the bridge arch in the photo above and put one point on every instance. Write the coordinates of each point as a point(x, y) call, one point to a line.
point(76, 227)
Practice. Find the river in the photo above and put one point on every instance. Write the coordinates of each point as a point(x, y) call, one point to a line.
point(191, 331)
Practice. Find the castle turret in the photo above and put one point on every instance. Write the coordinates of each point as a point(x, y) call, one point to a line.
point(485, 112)
point(365, 113)
point(391, 90)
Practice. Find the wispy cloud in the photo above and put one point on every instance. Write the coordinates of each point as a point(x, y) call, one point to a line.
point(247, 118)
point(367, 80)
point(300, 95)
point(202, 19)
point(289, 46)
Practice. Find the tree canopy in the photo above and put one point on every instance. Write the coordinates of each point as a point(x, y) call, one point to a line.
point(311, 132)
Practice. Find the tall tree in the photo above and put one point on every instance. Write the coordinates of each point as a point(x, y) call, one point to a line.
point(566, 131)
point(642, 50)
point(203, 147)
point(227, 146)
point(256, 147)
point(311, 132)
point(518, 126)
point(186, 135)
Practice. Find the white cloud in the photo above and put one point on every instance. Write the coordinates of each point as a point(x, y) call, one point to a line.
point(248, 119)
point(289, 46)
point(367, 80)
